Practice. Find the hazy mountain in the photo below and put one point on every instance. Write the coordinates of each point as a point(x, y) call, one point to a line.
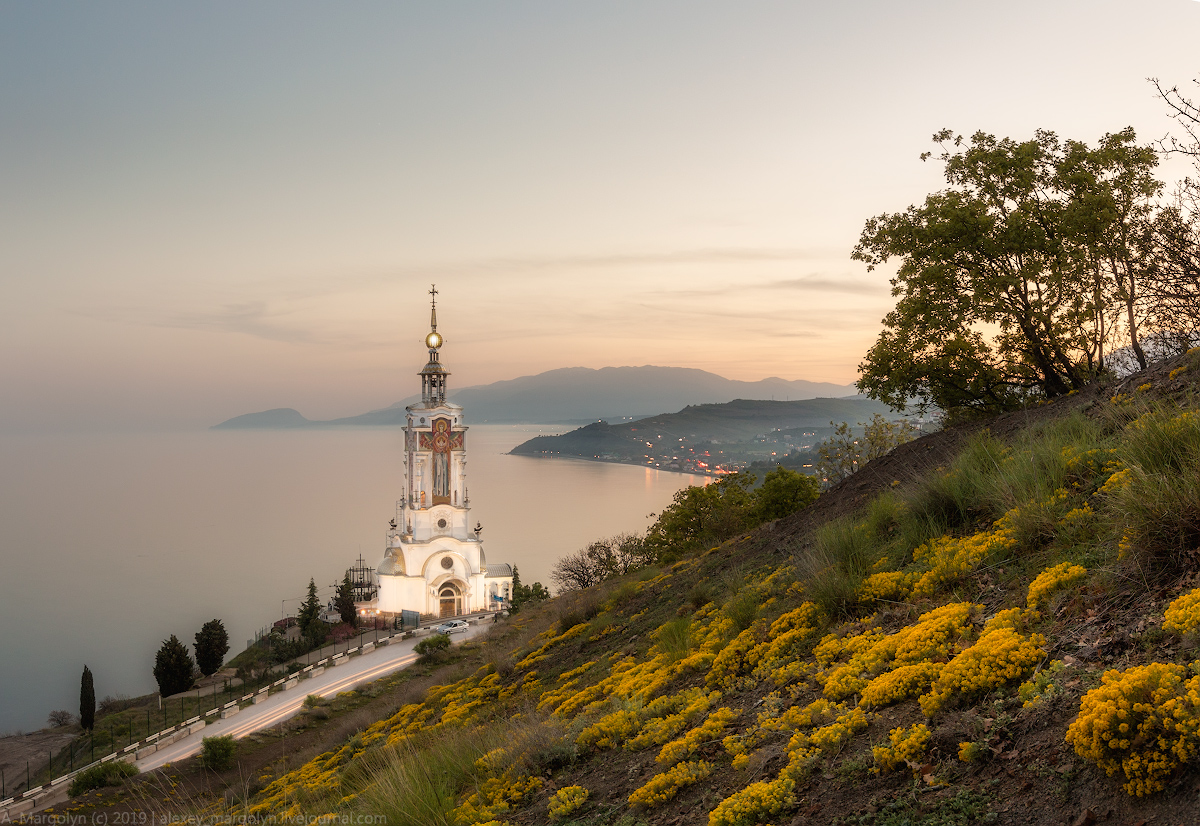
point(280, 417)
point(577, 394)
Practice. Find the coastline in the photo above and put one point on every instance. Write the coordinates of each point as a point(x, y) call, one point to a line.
point(614, 462)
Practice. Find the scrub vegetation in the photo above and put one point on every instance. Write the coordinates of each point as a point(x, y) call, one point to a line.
point(987, 621)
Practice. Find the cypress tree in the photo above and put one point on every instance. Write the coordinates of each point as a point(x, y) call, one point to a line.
point(309, 616)
point(345, 601)
point(173, 667)
point(87, 701)
point(212, 644)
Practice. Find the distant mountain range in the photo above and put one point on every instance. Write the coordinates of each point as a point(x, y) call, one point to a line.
point(572, 395)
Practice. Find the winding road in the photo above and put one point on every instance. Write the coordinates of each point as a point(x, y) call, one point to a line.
point(355, 671)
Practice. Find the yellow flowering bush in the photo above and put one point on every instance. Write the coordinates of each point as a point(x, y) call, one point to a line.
point(496, 795)
point(1183, 615)
point(1143, 722)
point(707, 731)
point(934, 636)
point(662, 787)
point(1082, 466)
point(900, 684)
point(970, 752)
point(671, 714)
point(893, 585)
point(1055, 578)
point(788, 638)
point(609, 731)
point(839, 731)
point(755, 803)
point(566, 802)
point(951, 558)
point(1120, 479)
point(844, 681)
point(1000, 655)
point(907, 745)
point(737, 658)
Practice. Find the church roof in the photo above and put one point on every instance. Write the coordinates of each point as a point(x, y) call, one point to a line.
point(499, 569)
point(391, 566)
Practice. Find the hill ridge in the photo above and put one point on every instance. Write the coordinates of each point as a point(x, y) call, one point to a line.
point(581, 394)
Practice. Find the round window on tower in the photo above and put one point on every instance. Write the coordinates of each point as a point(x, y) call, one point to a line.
point(447, 563)
point(441, 523)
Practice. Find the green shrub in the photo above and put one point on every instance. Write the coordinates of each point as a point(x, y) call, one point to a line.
point(432, 647)
point(112, 773)
point(961, 496)
point(216, 753)
point(673, 637)
point(419, 783)
point(834, 567)
point(742, 608)
point(1155, 502)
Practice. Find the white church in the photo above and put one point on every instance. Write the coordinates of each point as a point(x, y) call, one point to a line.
point(434, 562)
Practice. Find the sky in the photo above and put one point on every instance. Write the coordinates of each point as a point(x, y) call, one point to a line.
point(210, 209)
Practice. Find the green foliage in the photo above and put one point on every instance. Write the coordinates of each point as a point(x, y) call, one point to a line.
point(173, 667)
point(1042, 241)
point(783, 492)
point(309, 617)
point(524, 594)
point(1157, 506)
point(834, 567)
point(212, 644)
point(742, 608)
point(216, 753)
point(844, 453)
point(698, 515)
point(965, 808)
point(673, 637)
point(344, 601)
point(284, 650)
point(87, 701)
point(432, 647)
point(112, 773)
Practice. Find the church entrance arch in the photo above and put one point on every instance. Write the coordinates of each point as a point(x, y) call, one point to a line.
point(449, 600)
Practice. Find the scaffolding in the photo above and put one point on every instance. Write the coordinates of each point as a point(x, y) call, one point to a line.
point(362, 580)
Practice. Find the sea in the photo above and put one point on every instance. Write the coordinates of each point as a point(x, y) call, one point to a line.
point(110, 543)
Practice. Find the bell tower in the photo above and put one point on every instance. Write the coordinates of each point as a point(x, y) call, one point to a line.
point(434, 563)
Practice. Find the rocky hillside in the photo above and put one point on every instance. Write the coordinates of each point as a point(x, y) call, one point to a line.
point(993, 624)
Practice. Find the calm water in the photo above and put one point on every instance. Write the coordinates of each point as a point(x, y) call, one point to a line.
point(110, 543)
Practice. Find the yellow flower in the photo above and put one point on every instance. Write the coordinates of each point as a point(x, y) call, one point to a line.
point(1053, 579)
point(566, 801)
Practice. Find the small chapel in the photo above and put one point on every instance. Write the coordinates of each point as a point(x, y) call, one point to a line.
point(434, 562)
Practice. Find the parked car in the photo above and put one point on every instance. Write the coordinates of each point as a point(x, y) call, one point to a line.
point(451, 627)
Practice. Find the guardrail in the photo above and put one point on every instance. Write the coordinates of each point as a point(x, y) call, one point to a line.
point(14, 805)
